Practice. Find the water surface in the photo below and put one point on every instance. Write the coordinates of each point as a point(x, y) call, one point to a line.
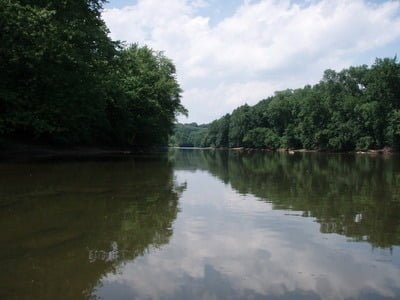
point(202, 224)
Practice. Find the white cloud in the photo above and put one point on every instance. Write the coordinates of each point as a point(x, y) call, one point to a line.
point(263, 46)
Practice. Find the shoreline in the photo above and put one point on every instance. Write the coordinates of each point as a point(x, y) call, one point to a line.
point(26, 152)
point(372, 152)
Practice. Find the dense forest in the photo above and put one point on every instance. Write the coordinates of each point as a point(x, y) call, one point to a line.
point(355, 109)
point(189, 135)
point(64, 81)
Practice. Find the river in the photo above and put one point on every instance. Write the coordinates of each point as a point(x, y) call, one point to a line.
point(201, 224)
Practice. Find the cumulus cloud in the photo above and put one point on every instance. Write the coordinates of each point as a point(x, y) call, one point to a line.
point(261, 47)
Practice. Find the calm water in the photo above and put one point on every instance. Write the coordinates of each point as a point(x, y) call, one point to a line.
point(199, 224)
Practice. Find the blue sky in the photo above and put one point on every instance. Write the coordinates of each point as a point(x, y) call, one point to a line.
point(216, 9)
point(229, 53)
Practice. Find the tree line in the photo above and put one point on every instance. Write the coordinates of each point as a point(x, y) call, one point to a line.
point(189, 135)
point(64, 81)
point(355, 109)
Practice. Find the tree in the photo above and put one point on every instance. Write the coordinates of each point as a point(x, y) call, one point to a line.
point(63, 80)
point(354, 109)
point(240, 123)
point(262, 138)
point(151, 95)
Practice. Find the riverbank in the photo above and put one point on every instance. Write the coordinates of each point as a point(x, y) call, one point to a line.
point(22, 152)
point(384, 151)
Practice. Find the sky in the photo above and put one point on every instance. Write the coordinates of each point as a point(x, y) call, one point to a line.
point(232, 52)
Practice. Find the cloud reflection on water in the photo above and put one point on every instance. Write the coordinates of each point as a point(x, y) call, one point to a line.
point(231, 246)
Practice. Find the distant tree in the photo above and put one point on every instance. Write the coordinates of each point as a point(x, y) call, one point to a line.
point(240, 123)
point(354, 109)
point(261, 138)
point(188, 135)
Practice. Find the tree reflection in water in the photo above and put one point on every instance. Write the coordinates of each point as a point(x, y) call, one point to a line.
point(65, 225)
point(353, 195)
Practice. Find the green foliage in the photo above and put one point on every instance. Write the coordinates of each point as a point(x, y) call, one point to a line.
point(63, 80)
point(354, 109)
point(261, 138)
point(151, 95)
point(240, 123)
point(394, 129)
point(188, 135)
point(218, 133)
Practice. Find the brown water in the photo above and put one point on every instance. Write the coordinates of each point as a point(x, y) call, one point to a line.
point(197, 224)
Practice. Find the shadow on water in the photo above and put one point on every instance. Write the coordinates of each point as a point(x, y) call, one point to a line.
point(66, 225)
point(352, 195)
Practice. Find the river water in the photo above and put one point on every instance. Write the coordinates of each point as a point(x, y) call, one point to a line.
point(201, 224)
